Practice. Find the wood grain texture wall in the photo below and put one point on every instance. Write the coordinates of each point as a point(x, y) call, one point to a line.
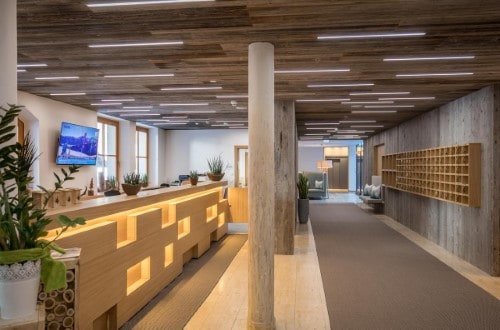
point(473, 234)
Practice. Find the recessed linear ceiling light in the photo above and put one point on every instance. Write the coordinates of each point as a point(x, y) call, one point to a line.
point(339, 85)
point(107, 103)
point(374, 111)
point(241, 108)
point(378, 93)
point(429, 58)
point(371, 35)
point(127, 110)
point(403, 75)
point(138, 107)
point(68, 94)
point(190, 88)
point(157, 120)
point(388, 106)
point(322, 128)
point(118, 100)
point(144, 75)
point(182, 104)
point(367, 126)
point(311, 70)
point(57, 78)
point(175, 117)
point(139, 114)
point(138, 3)
point(406, 98)
point(194, 111)
point(31, 65)
point(317, 134)
point(231, 121)
point(235, 96)
point(319, 123)
point(237, 127)
point(21, 70)
point(138, 44)
point(368, 102)
point(357, 121)
point(321, 100)
point(168, 124)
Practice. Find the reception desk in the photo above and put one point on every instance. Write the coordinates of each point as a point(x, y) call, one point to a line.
point(133, 246)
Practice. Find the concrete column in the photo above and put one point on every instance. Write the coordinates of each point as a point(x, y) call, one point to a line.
point(285, 190)
point(261, 186)
point(8, 46)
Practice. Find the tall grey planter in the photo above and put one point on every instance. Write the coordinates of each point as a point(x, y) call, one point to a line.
point(303, 209)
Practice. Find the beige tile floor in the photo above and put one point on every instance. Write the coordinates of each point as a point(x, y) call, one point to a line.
point(299, 301)
point(299, 296)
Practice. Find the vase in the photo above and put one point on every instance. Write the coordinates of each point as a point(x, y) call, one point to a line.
point(193, 181)
point(215, 177)
point(303, 210)
point(131, 189)
point(19, 284)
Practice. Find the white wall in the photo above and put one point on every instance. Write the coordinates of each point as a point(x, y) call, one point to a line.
point(310, 152)
point(44, 121)
point(189, 149)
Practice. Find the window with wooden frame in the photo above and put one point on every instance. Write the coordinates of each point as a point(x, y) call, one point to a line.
point(107, 153)
point(141, 150)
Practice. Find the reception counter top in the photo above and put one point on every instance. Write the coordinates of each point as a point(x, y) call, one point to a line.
point(133, 246)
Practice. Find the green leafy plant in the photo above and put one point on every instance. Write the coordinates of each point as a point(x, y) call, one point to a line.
point(303, 186)
point(144, 180)
point(193, 174)
point(22, 223)
point(132, 178)
point(112, 182)
point(216, 165)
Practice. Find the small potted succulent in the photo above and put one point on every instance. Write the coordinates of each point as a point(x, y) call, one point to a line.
point(216, 168)
point(303, 202)
point(112, 187)
point(144, 180)
point(131, 183)
point(193, 178)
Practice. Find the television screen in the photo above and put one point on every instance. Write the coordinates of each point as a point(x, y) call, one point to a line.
point(77, 145)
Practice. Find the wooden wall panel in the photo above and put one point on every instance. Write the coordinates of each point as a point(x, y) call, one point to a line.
point(470, 233)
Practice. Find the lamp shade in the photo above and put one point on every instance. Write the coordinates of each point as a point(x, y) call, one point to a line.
point(324, 164)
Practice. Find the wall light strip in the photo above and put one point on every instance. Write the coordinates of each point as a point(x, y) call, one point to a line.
point(371, 35)
point(138, 44)
point(406, 98)
point(182, 104)
point(339, 85)
point(312, 70)
point(57, 78)
point(143, 75)
point(378, 93)
point(68, 94)
point(138, 3)
point(192, 88)
point(434, 74)
point(321, 100)
point(429, 58)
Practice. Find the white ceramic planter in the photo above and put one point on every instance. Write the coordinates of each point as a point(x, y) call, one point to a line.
point(19, 289)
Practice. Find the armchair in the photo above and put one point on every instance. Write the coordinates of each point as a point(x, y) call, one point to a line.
point(318, 185)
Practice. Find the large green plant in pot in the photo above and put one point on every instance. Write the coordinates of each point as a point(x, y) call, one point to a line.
point(25, 258)
point(303, 202)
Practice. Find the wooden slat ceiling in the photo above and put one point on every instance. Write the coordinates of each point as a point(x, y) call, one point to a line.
point(215, 39)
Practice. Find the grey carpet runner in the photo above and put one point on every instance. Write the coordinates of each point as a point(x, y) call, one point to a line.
point(374, 278)
point(174, 306)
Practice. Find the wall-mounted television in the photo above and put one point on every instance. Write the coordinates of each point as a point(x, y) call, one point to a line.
point(77, 145)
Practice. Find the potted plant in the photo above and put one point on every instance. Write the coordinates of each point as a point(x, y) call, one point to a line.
point(303, 202)
point(131, 183)
point(144, 180)
point(193, 178)
point(112, 187)
point(25, 254)
point(216, 168)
